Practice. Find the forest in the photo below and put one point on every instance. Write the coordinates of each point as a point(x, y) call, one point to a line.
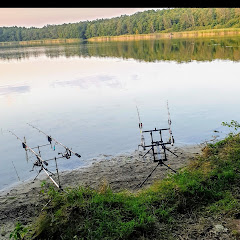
point(151, 21)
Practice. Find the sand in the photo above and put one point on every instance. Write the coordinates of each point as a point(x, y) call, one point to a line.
point(24, 201)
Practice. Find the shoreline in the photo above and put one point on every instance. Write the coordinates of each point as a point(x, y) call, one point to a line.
point(40, 42)
point(205, 33)
point(123, 172)
point(91, 162)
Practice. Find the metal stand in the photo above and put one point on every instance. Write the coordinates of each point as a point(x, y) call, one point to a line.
point(157, 144)
point(158, 157)
point(40, 162)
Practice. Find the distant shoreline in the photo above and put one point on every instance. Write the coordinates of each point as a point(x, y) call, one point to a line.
point(170, 35)
point(40, 42)
point(226, 32)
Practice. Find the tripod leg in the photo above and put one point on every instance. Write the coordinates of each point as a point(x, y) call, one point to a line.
point(38, 174)
point(169, 167)
point(171, 152)
point(138, 150)
point(147, 152)
point(57, 172)
point(140, 185)
point(48, 171)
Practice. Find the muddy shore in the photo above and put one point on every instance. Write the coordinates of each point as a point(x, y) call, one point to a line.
point(23, 202)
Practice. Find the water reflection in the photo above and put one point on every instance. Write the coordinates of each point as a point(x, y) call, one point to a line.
point(85, 95)
point(179, 50)
point(96, 81)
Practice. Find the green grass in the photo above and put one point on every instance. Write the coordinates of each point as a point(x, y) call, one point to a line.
point(208, 186)
point(85, 212)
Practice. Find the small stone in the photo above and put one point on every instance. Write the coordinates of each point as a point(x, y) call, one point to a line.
point(219, 229)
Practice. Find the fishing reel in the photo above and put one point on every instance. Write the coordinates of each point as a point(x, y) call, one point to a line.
point(171, 140)
point(38, 163)
point(67, 154)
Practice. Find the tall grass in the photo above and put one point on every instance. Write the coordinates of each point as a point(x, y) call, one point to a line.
point(166, 35)
point(43, 42)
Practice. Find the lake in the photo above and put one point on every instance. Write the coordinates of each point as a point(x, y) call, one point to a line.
point(85, 96)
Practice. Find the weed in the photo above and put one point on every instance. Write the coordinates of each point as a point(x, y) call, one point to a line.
point(19, 232)
point(233, 124)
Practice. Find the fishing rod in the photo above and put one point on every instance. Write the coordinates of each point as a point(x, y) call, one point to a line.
point(171, 139)
point(141, 133)
point(50, 139)
point(25, 142)
point(40, 162)
point(16, 171)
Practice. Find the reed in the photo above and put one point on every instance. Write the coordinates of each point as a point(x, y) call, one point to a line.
point(168, 35)
point(40, 42)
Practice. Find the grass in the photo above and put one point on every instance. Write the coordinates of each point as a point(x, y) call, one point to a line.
point(209, 187)
point(94, 215)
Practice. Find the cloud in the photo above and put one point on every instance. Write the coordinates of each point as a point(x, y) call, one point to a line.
point(13, 89)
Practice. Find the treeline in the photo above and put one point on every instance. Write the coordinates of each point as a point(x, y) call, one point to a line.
point(152, 21)
point(67, 31)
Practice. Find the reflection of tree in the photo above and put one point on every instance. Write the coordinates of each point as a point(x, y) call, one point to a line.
point(173, 50)
point(179, 50)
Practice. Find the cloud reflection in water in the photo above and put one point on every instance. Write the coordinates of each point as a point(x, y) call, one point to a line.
point(97, 81)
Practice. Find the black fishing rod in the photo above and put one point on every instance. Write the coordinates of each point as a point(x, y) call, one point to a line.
point(50, 139)
point(39, 162)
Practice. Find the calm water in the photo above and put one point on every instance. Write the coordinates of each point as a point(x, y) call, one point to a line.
point(85, 96)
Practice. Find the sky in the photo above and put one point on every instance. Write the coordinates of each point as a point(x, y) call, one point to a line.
point(39, 17)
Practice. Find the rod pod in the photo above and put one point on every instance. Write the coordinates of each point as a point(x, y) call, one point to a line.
point(39, 160)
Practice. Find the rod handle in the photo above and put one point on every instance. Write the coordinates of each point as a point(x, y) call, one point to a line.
point(78, 155)
point(45, 163)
